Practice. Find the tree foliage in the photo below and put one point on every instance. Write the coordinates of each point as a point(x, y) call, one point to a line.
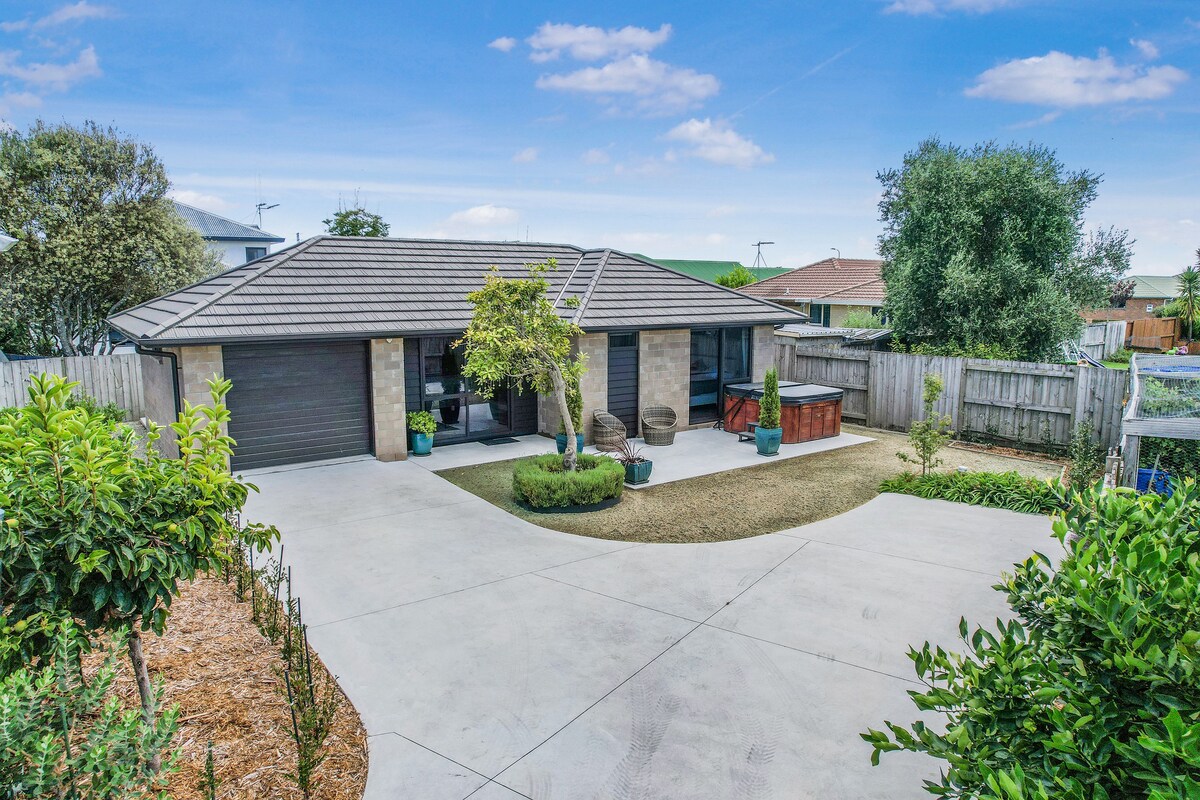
point(98, 526)
point(930, 433)
point(96, 234)
point(355, 221)
point(986, 247)
point(768, 407)
point(516, 335)
point(1092, 690)
point(736, 278)
point(1120, 292)
point(1188, 302)
point(859, 318)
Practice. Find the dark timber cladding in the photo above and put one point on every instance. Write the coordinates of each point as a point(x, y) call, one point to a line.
point(623, 379)
point(298, 402)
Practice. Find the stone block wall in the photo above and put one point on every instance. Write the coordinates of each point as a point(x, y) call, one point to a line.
point(197, 365)
point(664, 370)
point(387, 399)
point(762, 357)
point(594, 386)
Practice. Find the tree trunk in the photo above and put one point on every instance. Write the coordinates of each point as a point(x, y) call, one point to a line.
point(145, 690)
point(560, 395)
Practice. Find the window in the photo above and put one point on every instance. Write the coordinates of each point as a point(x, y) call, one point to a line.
point(719, 356)
point(818, 314)
point(255, 252)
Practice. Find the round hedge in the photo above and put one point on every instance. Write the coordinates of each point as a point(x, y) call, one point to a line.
point(541, 482)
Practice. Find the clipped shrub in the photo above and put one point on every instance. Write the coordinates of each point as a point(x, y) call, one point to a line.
point(1010, 490)
point(541, 481)
point(1092, 691)
point(768, 407)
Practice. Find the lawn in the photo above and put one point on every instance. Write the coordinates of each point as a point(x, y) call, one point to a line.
point(740, 503)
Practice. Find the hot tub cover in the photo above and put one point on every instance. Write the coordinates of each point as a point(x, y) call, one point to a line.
point(790, 392)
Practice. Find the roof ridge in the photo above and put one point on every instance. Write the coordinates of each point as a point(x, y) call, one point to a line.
point(567, 282)
point(234, 285)
point(587, 293)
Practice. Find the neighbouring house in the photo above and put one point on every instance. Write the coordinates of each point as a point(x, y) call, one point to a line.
point(826, 291)
point(236, 242)
point(711, 270)
point(1150, 292)
point(328, 342)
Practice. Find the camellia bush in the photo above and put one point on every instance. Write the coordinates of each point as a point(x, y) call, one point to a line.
point(1092, 691)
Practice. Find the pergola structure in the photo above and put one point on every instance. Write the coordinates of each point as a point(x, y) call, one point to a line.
point(1164, 402)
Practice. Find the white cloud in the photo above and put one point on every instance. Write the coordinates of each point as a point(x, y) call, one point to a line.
point(718, 143)
point(208, 202)
point(917, 7)
point(526, 156)
point(720, 211)
point(485, 216)
point(588, 43)
point(74, 12)
point(659, 88)
point(1147, 48)
point(56, 77)
point(503, 44)
point(1066, 81)
point(597, 155)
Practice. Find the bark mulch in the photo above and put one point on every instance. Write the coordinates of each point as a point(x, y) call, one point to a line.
point(220, 670)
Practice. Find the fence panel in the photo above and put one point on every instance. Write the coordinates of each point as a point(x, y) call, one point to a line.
point(109, 379)
point(1154, 334)
point(843, 369)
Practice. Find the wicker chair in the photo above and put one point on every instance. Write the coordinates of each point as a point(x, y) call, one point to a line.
point(607, 430)
point(658, 425)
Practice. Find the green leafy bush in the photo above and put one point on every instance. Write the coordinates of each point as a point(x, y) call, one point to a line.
point(991, 352)
point(858, 318)
point(1085, 457)
point(1010, 490)
point(1122, 356)
point(768, 407)
point(420, 422)
point(109, 412)
point(541, 481)
point(929, 434)
point(1092, 691)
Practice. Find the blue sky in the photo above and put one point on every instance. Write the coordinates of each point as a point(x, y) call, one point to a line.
point(673, 129)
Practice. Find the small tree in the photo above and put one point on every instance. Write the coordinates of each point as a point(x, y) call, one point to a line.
point(355, 221)
point(517, 336)
point(1120, 292)
point(96, 530)
point(929, 434)
point(1086, 457)
point(768, 407)
point(736, 278)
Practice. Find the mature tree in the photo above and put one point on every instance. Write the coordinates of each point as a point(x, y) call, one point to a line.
point(355, 221)
point(737, 277)
point(1189, 295)
point(516, 335)
point(985, 247)
point(95, 531)
point(95, 232)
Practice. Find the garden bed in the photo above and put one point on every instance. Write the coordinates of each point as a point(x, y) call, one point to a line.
point(744, 502)
point(220, 670)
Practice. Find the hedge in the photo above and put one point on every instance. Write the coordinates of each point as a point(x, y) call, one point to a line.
point(540, 482)
point(1010, 490)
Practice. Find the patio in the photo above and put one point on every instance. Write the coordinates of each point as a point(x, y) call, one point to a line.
point(694, 453)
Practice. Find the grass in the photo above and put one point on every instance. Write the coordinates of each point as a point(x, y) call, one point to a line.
point(1116, 364)
point(744, 502)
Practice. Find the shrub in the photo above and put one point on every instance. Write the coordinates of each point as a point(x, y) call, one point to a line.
point(736, 278)
point(420, 422)
point(768, 407)
point(1093, 690)
point(1122, 356)
point(929, 434)
point(1086, 457)
point(991, 352)
point(542, 482)
point(1009, 490)
point(863, 319)
point(109, 412)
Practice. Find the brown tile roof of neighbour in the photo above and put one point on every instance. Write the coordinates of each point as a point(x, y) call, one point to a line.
point(337, 287)
point(834, 280)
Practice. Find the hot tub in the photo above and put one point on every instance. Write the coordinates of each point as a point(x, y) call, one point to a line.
point(807, 411)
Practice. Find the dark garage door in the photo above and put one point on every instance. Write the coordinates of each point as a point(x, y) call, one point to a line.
point(298, 402)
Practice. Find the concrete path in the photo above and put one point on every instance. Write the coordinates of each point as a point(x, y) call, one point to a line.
point(494, 659)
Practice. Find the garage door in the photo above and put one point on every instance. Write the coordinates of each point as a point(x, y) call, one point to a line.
point(298, 402)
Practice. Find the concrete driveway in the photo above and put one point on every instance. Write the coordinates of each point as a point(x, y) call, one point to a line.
point(494, 659)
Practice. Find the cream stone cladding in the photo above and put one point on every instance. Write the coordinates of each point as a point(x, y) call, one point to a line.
point(387, 399)
point(664, 370)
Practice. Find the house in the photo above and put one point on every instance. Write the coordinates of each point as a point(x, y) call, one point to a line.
point(236, 242)
point(1150, 292)
point(711, 270)
point(828, 290)
point(328, 342)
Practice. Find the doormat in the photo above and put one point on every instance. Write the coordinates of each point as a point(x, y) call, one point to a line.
point(505, 440)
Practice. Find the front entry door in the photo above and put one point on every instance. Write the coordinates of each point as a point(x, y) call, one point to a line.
point(623, 379)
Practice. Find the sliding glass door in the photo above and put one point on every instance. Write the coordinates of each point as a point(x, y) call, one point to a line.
point(719, 356)
point(459, 411)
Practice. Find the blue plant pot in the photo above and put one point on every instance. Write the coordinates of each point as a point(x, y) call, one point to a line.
point(561, 440)
point(422, 444)
point(767, 440)
point(638, 473)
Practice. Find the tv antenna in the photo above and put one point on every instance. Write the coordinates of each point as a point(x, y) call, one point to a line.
point(759, 261)
point(261, 207)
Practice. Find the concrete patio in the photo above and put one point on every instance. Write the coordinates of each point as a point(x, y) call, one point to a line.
point(698, 452)
point(490, 658)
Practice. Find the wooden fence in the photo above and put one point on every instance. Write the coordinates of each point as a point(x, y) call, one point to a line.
point(1013, 402)
point(1155, 334)
point(1101, 339)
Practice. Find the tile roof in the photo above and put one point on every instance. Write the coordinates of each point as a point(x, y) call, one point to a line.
point(1154, 286)
point(334, 286)
point(854, 281)
point(215, 228)
point(711, 270)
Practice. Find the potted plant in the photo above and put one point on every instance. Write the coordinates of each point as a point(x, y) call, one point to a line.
point(575, 405)
point(768, 434)
point(421, 426)
point(451, 408)
point(637, 468)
